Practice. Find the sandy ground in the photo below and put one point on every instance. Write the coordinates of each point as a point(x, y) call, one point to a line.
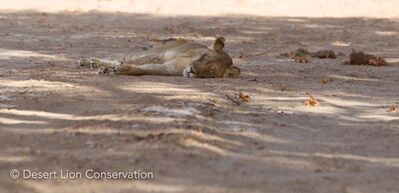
point(292, 8)
point(54, 116)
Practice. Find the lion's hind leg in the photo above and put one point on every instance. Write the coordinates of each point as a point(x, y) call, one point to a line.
point(144, 59)
point(103, 66)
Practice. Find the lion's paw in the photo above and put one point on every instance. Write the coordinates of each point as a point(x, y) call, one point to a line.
point(90, 63)
point(107, 70)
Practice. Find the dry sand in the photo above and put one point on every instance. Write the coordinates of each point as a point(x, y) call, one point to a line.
point(292, 8)
point(54, 116)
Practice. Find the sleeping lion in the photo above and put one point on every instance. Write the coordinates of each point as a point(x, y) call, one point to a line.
point(175, 57)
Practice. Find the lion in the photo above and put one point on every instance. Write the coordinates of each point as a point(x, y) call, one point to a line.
point(175, 57)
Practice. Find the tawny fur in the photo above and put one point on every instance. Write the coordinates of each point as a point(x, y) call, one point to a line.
point(175, 57)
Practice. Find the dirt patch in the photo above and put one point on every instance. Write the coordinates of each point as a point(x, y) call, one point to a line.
point(56, 116)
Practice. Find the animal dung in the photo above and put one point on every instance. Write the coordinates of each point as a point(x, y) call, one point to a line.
point(361, 58)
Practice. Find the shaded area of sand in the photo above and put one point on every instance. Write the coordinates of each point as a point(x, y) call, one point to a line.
point(55, 116)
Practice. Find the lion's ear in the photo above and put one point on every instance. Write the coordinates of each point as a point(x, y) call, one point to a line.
point(218, 44)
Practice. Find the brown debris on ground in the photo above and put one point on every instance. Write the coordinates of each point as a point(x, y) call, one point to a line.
point(300, 54)
point(391, 109)
point(301, 59)
point(361, 58)
point(324, 54)
point(186, 131)
point(244, 97)
point(311, 101)
point(239, 98)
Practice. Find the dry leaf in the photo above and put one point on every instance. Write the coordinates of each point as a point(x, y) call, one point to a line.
point(311, 101)
point(391, 109)
point(244, 97)
point(323, 81)
point(378, 61)
point(301, 59)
